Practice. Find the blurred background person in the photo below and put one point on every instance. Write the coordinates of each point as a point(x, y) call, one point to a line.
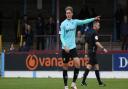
point(119, 19)
point(24, 23)
point(23, 47)
point(28, 36)
point(12, 48)
point(124, 33)
point(40, 33)
point(51, 32)
point(79, 41)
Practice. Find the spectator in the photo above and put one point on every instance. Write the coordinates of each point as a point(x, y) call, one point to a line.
point(51, 31)
point(24, 47)
point(25, 19)
point(40, 32)
point(29, 36)
point(79, 41)
point(124, 33)
point(119, 18)
point(51, 26)
point(24, 23)
point(12, 48)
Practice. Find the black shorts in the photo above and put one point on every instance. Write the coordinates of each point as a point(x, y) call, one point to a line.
point(92, 58)
point(69, 56)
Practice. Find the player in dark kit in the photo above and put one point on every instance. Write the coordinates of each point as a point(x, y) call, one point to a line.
point(91, 37)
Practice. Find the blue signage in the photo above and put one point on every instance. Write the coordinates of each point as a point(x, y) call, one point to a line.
point(120, 62)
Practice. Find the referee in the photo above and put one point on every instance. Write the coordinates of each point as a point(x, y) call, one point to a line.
point(91, 37)
point(67, 36)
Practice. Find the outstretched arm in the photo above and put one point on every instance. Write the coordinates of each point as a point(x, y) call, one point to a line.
point(86, 21)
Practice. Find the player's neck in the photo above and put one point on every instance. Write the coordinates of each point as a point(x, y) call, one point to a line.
point(69, 18)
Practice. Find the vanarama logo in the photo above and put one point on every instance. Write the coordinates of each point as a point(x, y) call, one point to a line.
point(33, 62)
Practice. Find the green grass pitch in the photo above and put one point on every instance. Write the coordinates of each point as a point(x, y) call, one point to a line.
point(54, 83)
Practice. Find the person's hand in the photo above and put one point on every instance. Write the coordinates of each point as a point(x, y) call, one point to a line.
point(97, 18)
point(66, 49)
point(85, 56)
point(105, 50)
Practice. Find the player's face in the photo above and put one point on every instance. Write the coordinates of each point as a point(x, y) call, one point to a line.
point(97, 26)
point(69, 14)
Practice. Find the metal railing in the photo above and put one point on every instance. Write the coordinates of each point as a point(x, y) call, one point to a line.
point(51, 42)
point(106, 40)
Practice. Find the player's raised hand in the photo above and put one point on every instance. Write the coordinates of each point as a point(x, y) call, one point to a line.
point(97, 17)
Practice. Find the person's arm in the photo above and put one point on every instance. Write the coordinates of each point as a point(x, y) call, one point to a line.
point(86, 21)
point(100, 46)
point(86, 50)
point(86, 47)
point(62, 35)
point(62, 38)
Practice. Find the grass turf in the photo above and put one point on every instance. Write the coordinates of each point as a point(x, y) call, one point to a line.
point(53, 83)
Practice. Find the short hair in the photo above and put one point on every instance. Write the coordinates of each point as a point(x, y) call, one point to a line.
point(69, 8)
